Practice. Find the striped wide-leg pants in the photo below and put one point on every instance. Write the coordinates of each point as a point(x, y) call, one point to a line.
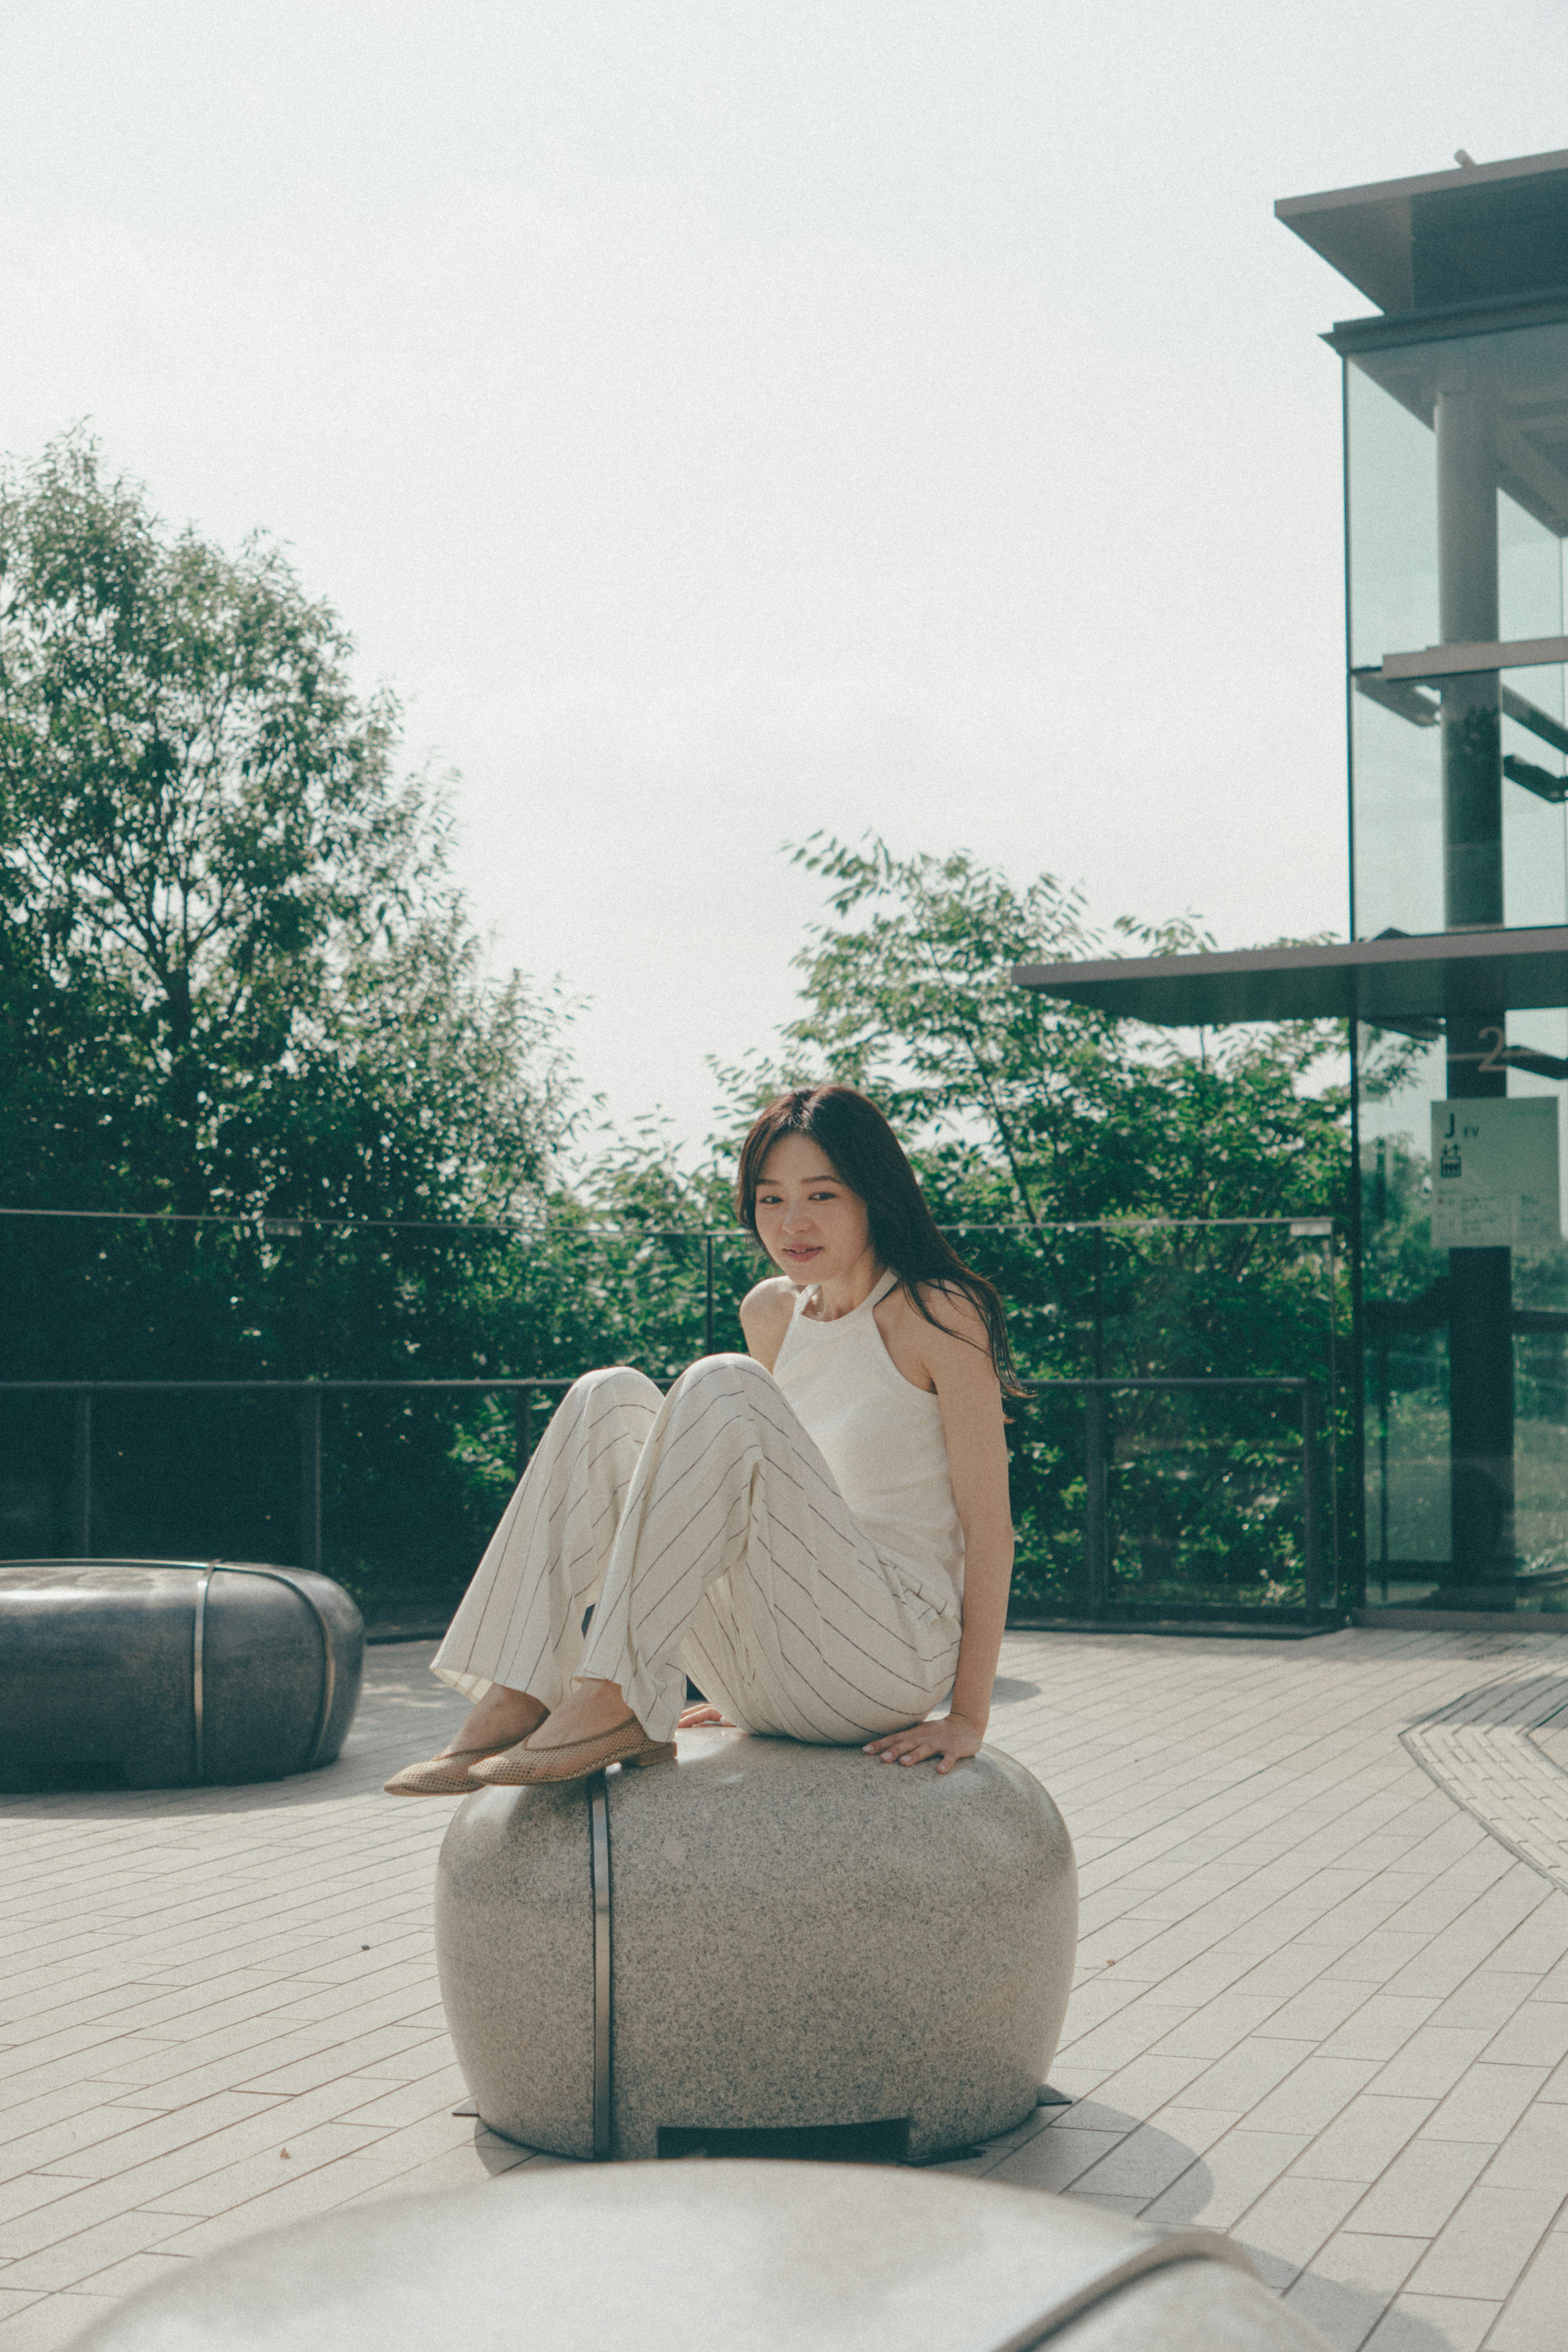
point(706, 1535)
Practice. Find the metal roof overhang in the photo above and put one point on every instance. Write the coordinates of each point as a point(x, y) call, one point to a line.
point(1385, 981)
point(1484, 231)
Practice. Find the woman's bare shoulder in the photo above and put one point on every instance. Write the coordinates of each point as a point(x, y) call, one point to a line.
point(765, 1314)
point(949, 1341)
point(774, 1293)
point(954, 1312)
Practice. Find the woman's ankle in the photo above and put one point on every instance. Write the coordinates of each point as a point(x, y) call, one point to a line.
point(502, 1715)
point(594, 1706)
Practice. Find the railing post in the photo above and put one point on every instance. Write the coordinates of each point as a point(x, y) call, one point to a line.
point(1096, 1500)
point(310, 1479)
point(1099, 1302)
point(81, 1476)
point(1311, 1504)
point(707, 1319)
point(523, 1424)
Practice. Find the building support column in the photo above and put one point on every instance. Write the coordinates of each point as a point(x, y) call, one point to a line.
point(1480, 1283)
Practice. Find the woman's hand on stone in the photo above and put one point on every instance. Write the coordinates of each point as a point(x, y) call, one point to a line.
point(697, 1717)
point(949, 1737)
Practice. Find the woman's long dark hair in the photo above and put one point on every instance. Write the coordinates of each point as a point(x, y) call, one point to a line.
point(868, 1158)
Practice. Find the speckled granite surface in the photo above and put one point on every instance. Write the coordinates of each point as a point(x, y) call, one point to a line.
point(802, 1936)
point(750, 2257)
point(514, 1939)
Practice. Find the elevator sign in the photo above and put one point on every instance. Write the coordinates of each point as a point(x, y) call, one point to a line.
point(1494, 1173)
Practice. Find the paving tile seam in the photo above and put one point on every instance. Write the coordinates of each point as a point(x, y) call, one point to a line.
point(1238, 1802)
point(279, 1999)
point(1137, 1947)
point(1372, 1821)
point(372, 1877)
point(72, 2205)
point(104, 2054)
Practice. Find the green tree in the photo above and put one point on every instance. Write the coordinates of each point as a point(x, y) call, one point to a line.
point(1045, 1111)
point(232, 925)
point(1042, 1118)
point(238, 982)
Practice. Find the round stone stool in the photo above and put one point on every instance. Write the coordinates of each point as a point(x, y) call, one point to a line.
point(714, 2258)
point(172, 1672)
point(762, 1937)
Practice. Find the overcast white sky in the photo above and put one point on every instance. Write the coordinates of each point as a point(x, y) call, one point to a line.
point(726, 420)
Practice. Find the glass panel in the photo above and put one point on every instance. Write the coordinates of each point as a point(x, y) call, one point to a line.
point(1457, 473)
point(1529, 574)
point(1204, 1488)
point(1541, 1356)
point(1204, 1500)
point(1397, 764)
point(1408, 1545)
point(1391, 468)
point(1407, 1531)
point(1517, 382)
point(1535, 785)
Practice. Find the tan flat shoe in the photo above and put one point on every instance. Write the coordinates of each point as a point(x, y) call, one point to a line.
point(524, 1767)
point(439, 1775)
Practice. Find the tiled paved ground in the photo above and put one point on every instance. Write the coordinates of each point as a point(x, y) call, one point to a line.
point(1319, 2005)
point(1499, 1752)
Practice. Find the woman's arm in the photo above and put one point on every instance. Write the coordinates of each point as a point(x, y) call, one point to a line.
point(960, 1365)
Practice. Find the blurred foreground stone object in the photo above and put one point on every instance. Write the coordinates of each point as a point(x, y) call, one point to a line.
point(172, 1672)
point(727, 2257)
point(763, 1937)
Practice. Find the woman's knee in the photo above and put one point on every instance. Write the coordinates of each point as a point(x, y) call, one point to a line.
point(614, 1390)
point(726, 1372)
point(614, 1381)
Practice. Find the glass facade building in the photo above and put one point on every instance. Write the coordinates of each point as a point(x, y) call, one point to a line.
point(1455, 441)
point(1454, 982)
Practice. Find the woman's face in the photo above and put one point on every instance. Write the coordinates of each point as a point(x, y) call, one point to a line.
point(808, 1220)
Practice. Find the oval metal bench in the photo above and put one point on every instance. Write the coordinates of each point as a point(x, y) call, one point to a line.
point(172, 1672)
point(762, 1937)
point(730, 2257)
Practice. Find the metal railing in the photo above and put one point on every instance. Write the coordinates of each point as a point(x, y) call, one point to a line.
point(309, 1393)
point(1310, 1229)
point(1095, 1597)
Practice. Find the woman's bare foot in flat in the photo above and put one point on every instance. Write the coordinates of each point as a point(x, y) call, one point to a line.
point(591, 1709)
point(499, 1719)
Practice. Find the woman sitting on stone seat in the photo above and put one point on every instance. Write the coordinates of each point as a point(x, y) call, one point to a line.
point(817, 1532)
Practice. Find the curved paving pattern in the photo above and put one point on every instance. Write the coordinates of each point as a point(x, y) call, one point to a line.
point(1485, 1750)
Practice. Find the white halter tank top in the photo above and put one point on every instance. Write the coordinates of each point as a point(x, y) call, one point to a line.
point(880, 1435)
